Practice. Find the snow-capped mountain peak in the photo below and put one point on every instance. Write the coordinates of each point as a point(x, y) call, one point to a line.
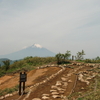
point(36, 45)
point(34, 50)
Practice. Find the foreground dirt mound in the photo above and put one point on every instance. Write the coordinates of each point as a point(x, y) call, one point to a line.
point(13, 80)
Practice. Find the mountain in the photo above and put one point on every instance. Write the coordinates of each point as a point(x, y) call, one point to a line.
point(34, 50)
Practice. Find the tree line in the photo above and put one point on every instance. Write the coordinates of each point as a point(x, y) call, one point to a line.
point(63, 58)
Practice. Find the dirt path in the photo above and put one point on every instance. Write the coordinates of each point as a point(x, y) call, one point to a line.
point(62, 85)
point(45, 88)
point(68, 76)
point(4, 78)
point(11, 81)
point(34, 76)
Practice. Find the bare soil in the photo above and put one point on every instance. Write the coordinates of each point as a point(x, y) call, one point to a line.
point(38, 75)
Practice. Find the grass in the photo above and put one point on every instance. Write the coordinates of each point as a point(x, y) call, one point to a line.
point(28, 63)
point(92, 61)
point(9, 90)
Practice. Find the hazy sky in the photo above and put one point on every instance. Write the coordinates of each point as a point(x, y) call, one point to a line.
point(58, 25)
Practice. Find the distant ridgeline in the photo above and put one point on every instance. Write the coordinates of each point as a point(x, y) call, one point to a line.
point(4, 59)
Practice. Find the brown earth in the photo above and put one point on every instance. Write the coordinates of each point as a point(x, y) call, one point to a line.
point(13, 80)
point(38, 75)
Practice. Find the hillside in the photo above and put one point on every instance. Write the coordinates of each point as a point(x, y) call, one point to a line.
point(27, 64)
point(67, 82)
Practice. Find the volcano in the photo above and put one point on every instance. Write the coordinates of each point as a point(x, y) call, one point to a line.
point(35, 50)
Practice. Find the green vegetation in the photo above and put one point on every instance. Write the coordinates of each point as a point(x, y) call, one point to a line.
point(9, 90)
point(27, 64)
point(6, 64)
point(95, 60)
point(63, 58)
point(79, 55)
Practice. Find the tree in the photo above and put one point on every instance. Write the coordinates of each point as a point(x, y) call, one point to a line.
point(79, 55)
point(59, 57)
point(67, 54)
point(6, 64)
point(62, 58)
point(97, 58)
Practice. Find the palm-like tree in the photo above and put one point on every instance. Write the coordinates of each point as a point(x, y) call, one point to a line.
point(80, 55)
point(67, 54)
point(59, 57)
